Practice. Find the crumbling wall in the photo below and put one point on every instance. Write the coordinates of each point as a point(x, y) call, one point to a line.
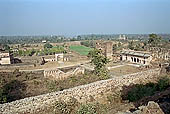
point(159, 53)
point(82, 93)
point(106, 48)
point(56, 74)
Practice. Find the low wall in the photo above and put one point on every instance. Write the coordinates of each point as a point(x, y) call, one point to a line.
point(57, 74)
point(81, 93)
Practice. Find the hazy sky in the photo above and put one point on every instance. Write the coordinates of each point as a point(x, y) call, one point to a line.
point(73, 17)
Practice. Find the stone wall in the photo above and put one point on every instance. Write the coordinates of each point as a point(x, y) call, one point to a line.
point(57, 74)
point(82, 93)
point(159, 53)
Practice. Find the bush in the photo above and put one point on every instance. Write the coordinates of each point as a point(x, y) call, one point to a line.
point(87, 109)
point(140, 91)
point(61, 107)
point(163, 83)
point(68, 107)
point(3, 96)
point(48, 45)
point(52, 86)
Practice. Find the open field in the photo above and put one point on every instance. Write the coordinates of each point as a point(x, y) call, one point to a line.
point(123, 70)
point(82, 50)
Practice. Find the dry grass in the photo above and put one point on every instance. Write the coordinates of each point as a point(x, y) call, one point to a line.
point(33, 84)
point(123, 70)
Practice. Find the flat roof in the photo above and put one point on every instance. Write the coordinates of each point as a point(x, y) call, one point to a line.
point(135, 53)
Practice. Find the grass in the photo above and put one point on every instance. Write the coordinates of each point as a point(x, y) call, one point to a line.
point(82, 50)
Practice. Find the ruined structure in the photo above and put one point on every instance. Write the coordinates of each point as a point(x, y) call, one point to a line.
point(59, 74)
point(60, 57)
point(106, 48)
point(138, 57)
point(159, 53)
point(5, 58)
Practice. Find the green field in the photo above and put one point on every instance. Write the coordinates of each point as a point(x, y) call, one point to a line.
point(82, 50)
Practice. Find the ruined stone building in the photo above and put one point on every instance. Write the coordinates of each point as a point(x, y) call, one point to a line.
point(159, 53)
point(61, 74)
point(138, 57)
point(5, 58)
point(60, 57)
point(106, 47)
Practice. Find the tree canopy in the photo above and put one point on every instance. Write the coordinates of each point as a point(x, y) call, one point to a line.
point(154, 39)
point(100, 61)
point(48, 45)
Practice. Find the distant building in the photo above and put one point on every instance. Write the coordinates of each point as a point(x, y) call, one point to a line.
point(5, 58)
point(60, 57)
point(122, 37)
point(106, 47)
point(136, 57)
point(44, 41)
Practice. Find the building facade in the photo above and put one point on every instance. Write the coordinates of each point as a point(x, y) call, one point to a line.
point(5, 58)
point(60, 57)
point(137, 57)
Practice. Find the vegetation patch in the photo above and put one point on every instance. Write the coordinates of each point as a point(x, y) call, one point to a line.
point(82, 50)
point(139, 91)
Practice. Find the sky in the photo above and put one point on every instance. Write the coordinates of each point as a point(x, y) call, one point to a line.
point(75, 17)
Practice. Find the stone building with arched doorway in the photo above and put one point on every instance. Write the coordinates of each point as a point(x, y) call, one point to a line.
point(138, 57)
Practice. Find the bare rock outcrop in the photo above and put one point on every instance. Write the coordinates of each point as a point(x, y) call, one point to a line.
point(151, 108)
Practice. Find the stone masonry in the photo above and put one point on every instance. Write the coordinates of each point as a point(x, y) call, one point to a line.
point(56, 74)
point(82, 93)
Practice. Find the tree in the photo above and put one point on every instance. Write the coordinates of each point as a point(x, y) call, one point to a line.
point(131, 45)
point(6, 47)
point(48, 45)
point(100, 61)
point(114, 48)
point(154, 39)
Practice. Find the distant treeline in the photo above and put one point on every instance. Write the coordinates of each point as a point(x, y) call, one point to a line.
point(30, 39)
point(58, 39)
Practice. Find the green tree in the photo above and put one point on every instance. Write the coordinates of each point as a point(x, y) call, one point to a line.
point(100, 61)
point(131, 45)
point(115, 47)
point(6, 47)
point(154, 39)
point(48, 45)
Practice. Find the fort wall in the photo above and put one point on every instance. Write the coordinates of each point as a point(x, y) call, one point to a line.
point(82, 93)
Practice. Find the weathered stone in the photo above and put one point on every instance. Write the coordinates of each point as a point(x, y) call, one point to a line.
point(81, 93)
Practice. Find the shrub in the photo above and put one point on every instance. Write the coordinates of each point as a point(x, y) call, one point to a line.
point(68, 107)
point(61, 107)
point(52, 86)
point(163, 83)
point(3, 96)
point(87, 109)
point(48, 45)
point(139, 91)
